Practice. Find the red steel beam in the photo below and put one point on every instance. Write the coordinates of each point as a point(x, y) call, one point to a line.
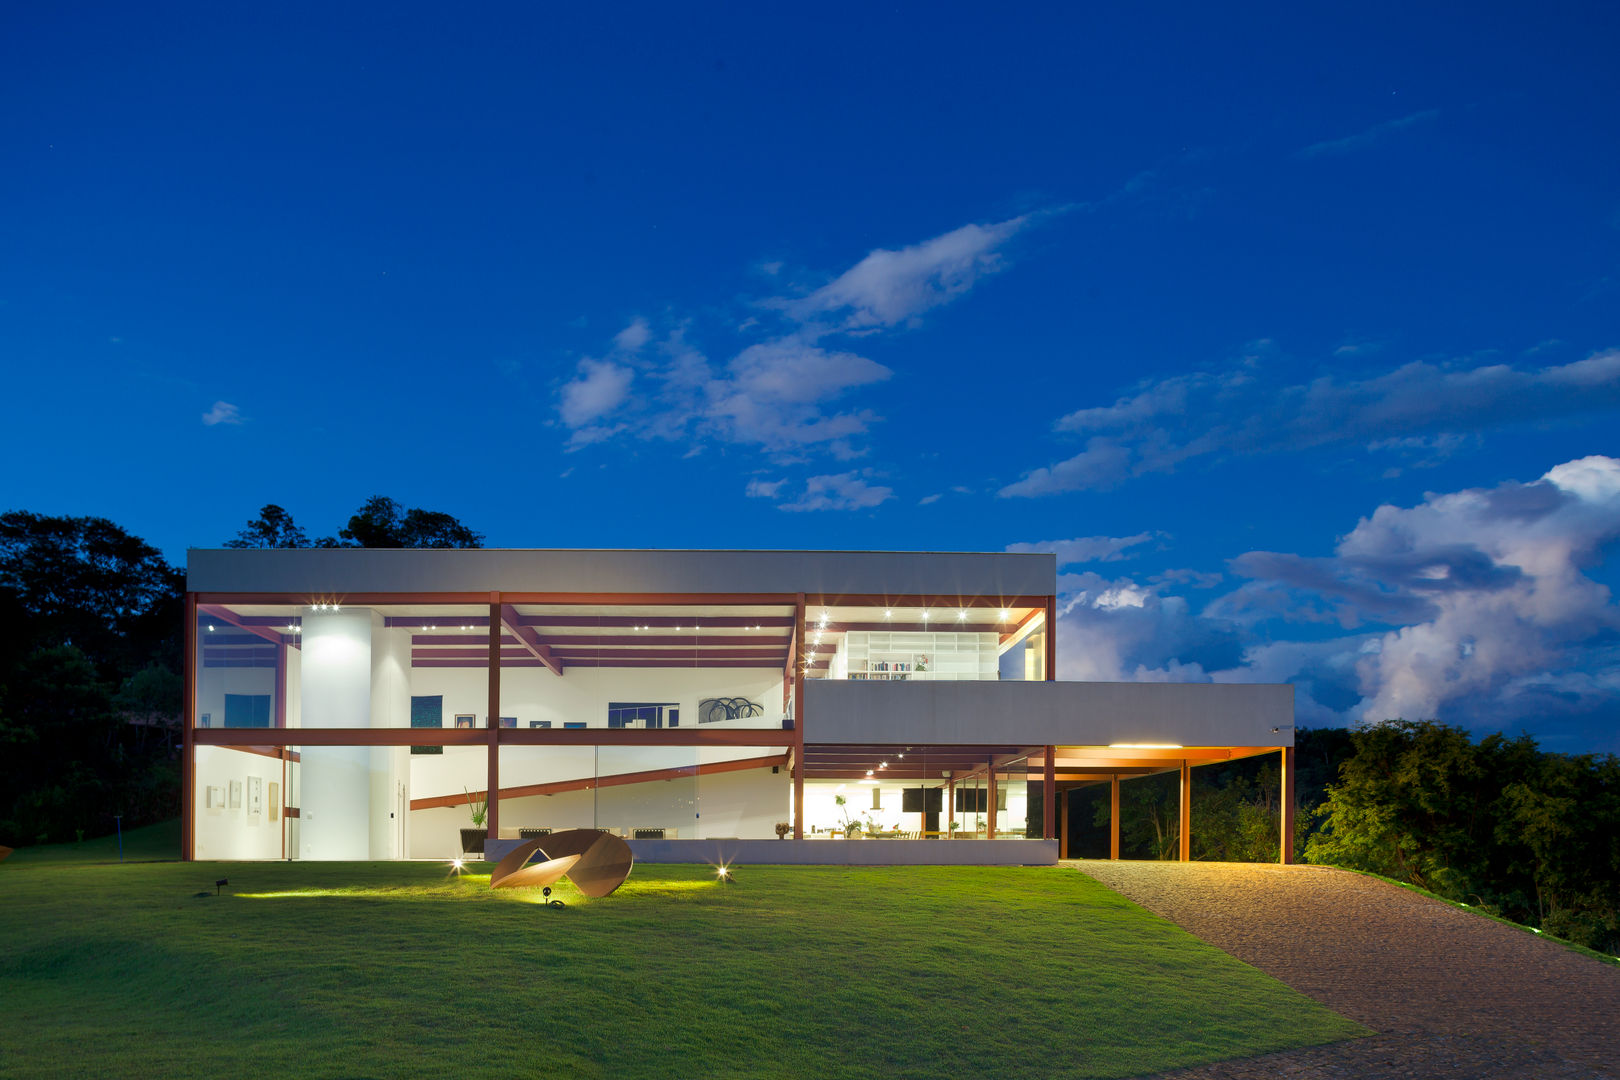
point(529, 637)
point(649, 776)
point(226, 615)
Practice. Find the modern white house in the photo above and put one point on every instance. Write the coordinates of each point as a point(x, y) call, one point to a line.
point(362, 703)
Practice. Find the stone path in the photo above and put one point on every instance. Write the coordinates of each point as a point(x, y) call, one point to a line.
point(1450, 993)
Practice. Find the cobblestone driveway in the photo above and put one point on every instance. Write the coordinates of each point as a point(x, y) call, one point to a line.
point(1451, 994)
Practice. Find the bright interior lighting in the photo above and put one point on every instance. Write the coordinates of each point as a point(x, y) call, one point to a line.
point(1144, 746)
point(210, 628)
point(888, 614)
point(961, 614)
point(1005, 615)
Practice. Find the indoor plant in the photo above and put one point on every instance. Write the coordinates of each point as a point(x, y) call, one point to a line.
point(473, 839)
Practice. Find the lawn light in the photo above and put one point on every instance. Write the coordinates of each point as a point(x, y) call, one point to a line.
point(220, 884)
point(455, 866)
point(546, 892)
point(724, 875)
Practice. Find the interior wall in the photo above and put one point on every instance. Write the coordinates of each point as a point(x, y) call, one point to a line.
point(582, 694)
point(744, 804)
point(225, 833)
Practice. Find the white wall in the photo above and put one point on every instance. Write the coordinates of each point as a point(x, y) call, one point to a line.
point(743, 804)
point(223, 833)
point(581, 694)
point(213, 683)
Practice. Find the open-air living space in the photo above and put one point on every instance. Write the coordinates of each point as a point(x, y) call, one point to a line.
point(429, 704)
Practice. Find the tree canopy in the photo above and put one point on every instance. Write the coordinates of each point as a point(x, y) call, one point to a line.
point(380, 522)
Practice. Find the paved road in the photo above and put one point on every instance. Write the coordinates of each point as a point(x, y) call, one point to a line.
point(1451, 994)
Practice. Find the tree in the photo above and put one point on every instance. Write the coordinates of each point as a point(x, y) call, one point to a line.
point(273, 528)
point(85, 581)
point(384, 523)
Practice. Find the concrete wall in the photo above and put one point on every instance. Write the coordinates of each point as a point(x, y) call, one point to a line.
point(1057, 713)
point(326, 571)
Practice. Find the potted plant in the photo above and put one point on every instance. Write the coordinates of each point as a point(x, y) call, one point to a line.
point(782, 829)
point(473, 839)
point(852, 828)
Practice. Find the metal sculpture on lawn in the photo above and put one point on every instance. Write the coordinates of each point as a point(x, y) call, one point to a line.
point(596, 862)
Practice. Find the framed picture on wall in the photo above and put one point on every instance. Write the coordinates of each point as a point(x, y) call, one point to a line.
point(205, 720)
point(509, 721)
point(236, 795)
point(275, 800)
point(215, 799)
point(466, 720)
point(255, 795)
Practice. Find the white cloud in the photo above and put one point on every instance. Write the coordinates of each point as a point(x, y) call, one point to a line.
point(845, 491)
point(929, 500)
point(1185, 417)
point(888, 288)
point(1473, 607)
point(634, 336)
point(1087, 549)
point(223, 412)
point(764, 489)
point(1363, 139)
point(600, 387)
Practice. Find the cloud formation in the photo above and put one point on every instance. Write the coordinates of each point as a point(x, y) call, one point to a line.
point(888, 288)
point(1363, 139)
point(845, 491)
point(1474, 607)
point(1087, 549)
point(223, 412)
point(1164, 424)
point(788, 393)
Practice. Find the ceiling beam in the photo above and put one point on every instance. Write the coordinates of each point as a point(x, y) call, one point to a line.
point(530, 639)
point(661, 621)
point(224, 614)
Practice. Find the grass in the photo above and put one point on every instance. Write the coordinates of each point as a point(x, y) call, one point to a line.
point(398, 969)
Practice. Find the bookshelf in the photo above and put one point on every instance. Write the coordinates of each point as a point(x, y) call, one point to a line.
point(937, 657)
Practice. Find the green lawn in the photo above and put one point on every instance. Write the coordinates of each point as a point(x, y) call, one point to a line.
point(400, 970)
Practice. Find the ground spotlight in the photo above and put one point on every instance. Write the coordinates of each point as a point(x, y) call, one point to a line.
point(220, 884)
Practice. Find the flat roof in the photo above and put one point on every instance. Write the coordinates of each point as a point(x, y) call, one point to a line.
point(829, 574)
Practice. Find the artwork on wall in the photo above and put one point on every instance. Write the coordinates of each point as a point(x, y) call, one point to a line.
point(275, 800)
point(539, 723)
point(466, 720)
point(714, 710)
point(205, 720)
point(509, 721)
point(236, 795)
point(255, 795)
point(215, 798)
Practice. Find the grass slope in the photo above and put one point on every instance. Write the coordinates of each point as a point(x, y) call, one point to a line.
point(396, 969)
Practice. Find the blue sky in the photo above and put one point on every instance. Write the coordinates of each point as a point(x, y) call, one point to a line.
point(1284, 328)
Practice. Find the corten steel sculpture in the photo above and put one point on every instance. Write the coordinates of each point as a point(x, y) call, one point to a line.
point(596, 862)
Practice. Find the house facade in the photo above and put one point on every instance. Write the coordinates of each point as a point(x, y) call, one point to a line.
point(363, 704)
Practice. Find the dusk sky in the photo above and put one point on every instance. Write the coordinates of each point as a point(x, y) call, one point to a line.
point(1293, 332)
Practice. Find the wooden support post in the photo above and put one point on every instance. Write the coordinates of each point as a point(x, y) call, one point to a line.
point(1063, 824)
point(188, 746)
point(1049, 795)
point(798, 719)
point(990, 795)
point(492, 821)
point(1113, 817)
point(1184, 837)
point(1286, 855)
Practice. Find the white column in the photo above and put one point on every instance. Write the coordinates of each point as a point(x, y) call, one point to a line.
point(335, 781)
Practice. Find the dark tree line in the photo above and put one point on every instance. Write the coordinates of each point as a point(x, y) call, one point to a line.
point(91, 635)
